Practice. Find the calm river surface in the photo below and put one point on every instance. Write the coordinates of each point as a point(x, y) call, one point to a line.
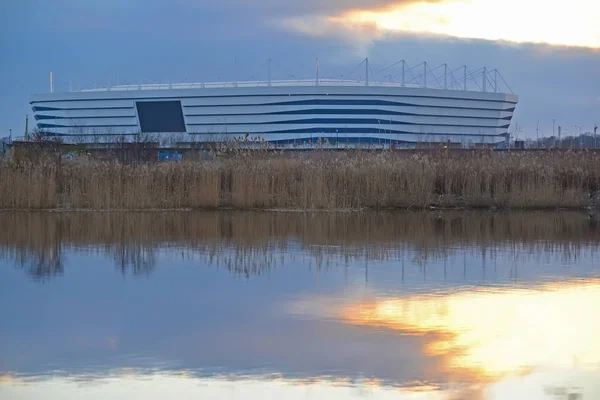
point(277, 305)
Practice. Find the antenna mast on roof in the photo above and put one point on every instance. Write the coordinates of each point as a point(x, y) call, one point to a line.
point(445, 76)
point(485, 79)
point(318, 71)
point(403, 73)
point(269, 72)
point(496, 80)
point(235, 83)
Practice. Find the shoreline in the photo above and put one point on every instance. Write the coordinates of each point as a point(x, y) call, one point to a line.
point(589, 210)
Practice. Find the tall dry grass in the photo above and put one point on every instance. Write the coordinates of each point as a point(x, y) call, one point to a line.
point(328, 181)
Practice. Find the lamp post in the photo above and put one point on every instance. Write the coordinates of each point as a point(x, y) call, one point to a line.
point(580, 137)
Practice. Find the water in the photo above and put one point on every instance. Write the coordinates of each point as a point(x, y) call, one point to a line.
point(236, 305)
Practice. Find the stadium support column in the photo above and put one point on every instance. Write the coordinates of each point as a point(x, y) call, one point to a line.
point(367, 68)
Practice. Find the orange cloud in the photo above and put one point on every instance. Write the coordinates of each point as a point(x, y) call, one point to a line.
point(573, 24)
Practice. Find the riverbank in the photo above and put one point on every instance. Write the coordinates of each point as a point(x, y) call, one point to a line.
point(355, 180)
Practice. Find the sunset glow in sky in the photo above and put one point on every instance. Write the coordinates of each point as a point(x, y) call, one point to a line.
point(572, 23)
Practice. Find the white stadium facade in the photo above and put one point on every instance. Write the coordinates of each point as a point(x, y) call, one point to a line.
point(285, 113)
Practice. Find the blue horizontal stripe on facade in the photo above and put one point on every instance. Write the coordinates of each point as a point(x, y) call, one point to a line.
point(347, 122)
point(343, 121)
point(335, 131)
point(341, 140)
point(342, 111)
point(332, 102)
point(42, 125)
point(46, 117)
point(357, 102)
point(48, 133)
point(372, 130)
point(36, 108)
point(272, 95)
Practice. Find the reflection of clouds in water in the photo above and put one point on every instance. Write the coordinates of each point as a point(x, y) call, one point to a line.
point(98, 323)
point(130, 383)
point(490, 334)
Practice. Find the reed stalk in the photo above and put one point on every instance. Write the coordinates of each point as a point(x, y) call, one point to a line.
point(353, 180)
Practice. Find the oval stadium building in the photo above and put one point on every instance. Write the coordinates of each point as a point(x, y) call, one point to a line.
point(283, 113)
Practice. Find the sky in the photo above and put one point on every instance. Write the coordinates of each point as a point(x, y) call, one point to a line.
point(548, 52)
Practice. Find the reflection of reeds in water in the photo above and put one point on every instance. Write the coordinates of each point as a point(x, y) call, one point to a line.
point(340, 181)
point(251, 242)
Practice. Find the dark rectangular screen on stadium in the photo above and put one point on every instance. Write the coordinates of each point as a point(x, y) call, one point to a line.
point(160, 116)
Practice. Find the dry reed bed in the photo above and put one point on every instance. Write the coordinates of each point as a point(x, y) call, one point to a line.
point(331, 181)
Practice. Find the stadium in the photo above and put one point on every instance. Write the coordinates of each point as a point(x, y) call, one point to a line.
point(467, 112)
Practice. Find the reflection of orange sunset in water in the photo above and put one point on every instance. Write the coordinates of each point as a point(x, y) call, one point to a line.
point(493, 334)
point(5, 379)
point(573, 23)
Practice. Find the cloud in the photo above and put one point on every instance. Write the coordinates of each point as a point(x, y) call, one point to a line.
point(571, 23)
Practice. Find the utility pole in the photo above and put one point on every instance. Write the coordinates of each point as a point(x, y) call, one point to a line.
point(269, 72)
point(27, 128)
point(318, 71)
point(595, 136)
point(235, 83)
point(580, 137)
point(537, 130)
point(445, 76)
point(484, 79)
point(560, 136)
point(403, 73)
